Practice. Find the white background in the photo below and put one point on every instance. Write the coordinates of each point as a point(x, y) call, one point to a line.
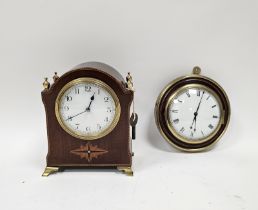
point(157, 41)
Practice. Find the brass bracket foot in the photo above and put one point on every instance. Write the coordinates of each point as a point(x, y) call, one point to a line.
point(127, 170)
point(50, 170)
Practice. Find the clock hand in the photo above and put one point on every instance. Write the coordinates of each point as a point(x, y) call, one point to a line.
point(195, 126)
point(91, 99)
point(199, 103)
point(196, 113)
point(194, 120)
point(69, 118)
point(86, 110)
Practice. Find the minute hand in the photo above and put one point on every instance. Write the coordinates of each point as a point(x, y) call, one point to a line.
point(196, 113)
point(199, 103)
point(75, 115)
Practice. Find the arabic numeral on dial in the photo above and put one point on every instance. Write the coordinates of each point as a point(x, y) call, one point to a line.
point(99, 126)
point(69, 118)
point(77, 126)
point(69, 98)
point(182, 129)
point(77, 91)
point(87, 88)
point(87, 128)
point(66, 108)
point(176, 121)
point(109, 109)
point(174, 111)
point(106, 99)
point(106, 119)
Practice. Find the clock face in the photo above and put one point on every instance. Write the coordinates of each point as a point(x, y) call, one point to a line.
point(194, 113)
point(87, 108)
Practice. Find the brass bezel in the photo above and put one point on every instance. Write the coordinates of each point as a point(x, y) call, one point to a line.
point(157, 105)
point(102, 85)
point(169, 124)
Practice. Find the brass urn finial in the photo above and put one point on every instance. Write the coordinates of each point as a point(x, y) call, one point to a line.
point(46, 84)
point(55, 77)
point(129, 81)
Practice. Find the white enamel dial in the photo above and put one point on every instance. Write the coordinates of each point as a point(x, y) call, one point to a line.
point(194, 113)
point(88, 108)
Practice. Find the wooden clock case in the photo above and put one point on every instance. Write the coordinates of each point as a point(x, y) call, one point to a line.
point(112, 150)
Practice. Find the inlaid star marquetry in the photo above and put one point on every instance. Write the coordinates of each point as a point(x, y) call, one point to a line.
point(89, 152)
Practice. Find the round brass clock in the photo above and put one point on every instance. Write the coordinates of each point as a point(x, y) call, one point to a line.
point(192, 112)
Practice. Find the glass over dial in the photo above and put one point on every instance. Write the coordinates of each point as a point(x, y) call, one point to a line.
point(194, 113)
point(88, 108)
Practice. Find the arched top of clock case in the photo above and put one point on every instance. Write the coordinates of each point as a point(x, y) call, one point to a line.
point(97, 70)
point(101, 67)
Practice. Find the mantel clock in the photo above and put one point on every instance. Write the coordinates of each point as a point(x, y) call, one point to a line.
point(88, 119)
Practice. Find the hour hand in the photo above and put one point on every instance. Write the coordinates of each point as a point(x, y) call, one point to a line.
point(194, 120)
point(91, 99)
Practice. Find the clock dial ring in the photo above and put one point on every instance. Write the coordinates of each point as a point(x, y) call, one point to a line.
point(182, 90)
point(94, 82)
point(160, 112)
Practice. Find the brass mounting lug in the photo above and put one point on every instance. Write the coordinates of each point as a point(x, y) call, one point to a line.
point(197, 70)
point(46, 84)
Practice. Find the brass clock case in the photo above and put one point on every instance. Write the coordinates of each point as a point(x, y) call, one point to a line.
point(165, 98)
point(101, 84)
